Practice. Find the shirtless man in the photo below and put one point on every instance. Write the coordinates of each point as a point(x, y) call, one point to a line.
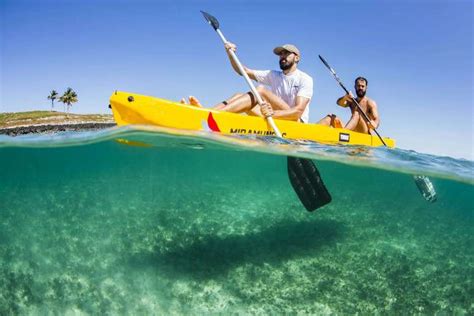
point(287, 93)
point(357, 122)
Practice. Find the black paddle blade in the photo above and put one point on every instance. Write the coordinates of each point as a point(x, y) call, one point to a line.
point(307, 183)
point(211, 20)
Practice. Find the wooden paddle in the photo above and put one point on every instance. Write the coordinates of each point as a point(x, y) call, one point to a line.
point(423, 183)
point(303, 174)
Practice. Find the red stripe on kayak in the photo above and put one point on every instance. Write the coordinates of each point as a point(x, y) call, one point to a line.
point(212, 123)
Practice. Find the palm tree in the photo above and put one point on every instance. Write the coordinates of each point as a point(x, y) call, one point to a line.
point(53, 96)
point(68, 98)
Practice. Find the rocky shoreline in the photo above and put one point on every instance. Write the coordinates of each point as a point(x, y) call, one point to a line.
point(54, 128)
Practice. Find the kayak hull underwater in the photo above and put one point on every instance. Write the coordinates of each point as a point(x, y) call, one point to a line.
point(130, 108)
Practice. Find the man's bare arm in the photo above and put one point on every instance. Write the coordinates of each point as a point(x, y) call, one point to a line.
point(345, 101)
point(231, 47)
point(373, 114)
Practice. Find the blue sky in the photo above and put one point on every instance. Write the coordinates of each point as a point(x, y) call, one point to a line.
point(417, 56)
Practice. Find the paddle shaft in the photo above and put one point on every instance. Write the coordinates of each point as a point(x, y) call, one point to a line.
point(250, 83)
point(353, 99)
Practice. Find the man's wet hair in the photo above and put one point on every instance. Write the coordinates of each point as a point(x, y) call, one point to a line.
point(361, 78)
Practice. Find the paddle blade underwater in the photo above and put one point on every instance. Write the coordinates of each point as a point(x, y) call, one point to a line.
point(307, 183)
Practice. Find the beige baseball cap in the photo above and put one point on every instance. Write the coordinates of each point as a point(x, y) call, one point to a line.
point(288, 47)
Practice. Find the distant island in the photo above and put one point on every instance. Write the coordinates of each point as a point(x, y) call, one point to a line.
point(20, 123)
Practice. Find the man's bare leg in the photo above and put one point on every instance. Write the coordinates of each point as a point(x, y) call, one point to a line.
point(248, 103)
point(255, 111)
point(244, 102)
point(331, 120)
point(326, 120)
point(241, 103)
point(275, 101)
point(236, 97)
point(221, 105)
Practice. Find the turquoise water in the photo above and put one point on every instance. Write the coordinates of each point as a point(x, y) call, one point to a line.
point(200, 224)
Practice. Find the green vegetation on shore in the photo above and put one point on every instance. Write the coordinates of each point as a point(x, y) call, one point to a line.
point(53, 95)
point(16, 119)
point(68, 98)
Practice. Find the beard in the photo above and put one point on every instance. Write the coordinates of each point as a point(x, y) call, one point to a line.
point(360, 93)
point(285, 65)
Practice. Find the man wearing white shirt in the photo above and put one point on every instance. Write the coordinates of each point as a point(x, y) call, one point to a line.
point(287, 93)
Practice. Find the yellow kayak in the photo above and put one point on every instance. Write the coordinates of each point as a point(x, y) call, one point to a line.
point(130, 108)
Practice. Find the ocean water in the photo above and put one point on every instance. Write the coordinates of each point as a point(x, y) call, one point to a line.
point(197, 223)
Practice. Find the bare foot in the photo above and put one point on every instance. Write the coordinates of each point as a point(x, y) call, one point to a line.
point(194, 101)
